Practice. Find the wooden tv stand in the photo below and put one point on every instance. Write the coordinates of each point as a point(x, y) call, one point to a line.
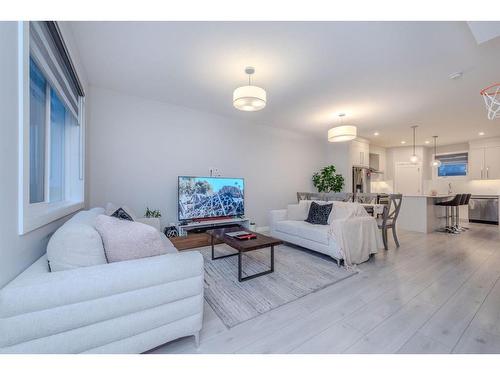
point(193, 234)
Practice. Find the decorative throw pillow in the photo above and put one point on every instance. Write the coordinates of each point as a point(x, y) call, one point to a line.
point(298, 211)
point(125, 239)
point(111, 208)
point(75, 245)
point(122, 214)
point(319, 213)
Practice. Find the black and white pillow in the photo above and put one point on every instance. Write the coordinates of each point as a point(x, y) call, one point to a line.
point(319, 213)
point(122, 214)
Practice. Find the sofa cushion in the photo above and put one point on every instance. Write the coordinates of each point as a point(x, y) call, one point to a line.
point(318, 214)
point(298, 211)
point(122, 214)
point(75, 244)
point(125, 240)
point(312, 232)
point(84, 217)
point(111, 209)
point(308, 205)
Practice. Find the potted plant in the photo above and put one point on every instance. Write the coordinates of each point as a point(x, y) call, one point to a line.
point(152, 213)
point(327, 180)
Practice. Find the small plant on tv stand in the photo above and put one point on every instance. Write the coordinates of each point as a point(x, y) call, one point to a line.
point(152, 213)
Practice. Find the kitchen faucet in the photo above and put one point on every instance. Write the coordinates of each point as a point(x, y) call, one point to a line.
point(450, 190)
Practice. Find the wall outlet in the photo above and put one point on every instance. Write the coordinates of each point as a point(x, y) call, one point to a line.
point(214, 172)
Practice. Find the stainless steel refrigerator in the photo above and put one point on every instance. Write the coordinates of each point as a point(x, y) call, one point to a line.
point(360, 180)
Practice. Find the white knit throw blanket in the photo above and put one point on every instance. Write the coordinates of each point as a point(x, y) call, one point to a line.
point(355, 232)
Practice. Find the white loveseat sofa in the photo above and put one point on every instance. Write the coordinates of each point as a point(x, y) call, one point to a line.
point(289, 226)
point(123, 307)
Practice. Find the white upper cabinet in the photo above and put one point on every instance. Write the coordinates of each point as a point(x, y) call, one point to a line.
point(476, 163)
point(484, 159)
point(360, 153)
point(492, 163)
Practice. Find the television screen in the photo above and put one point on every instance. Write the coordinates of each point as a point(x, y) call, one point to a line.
point(205, 197)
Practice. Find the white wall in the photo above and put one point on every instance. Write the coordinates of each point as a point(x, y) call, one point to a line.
point(339, 154)
point(138, 147)
point(16, 252)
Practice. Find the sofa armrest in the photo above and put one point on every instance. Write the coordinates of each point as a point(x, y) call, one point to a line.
point(152, 221)
point(275, 216)
point(53, 289)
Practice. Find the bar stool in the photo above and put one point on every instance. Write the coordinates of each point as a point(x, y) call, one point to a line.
point(464, 202)
point(455, 202)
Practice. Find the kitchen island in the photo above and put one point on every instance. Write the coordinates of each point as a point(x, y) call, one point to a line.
point(420, 214)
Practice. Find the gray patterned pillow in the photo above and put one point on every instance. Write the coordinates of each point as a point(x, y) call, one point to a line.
point(318, 213)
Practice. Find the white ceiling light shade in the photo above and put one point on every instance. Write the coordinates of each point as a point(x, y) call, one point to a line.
point(342, 133)
point(435, 163)
point(414, 158)
point(249, 98)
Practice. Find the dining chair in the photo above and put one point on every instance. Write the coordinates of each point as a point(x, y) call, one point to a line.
point(302, 196)
point(365, 198)
point(389, 218)
point(338, 197)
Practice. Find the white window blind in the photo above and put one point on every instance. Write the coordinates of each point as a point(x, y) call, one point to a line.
point(48, 51)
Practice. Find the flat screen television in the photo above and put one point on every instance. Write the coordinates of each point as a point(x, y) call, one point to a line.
point(210, 197)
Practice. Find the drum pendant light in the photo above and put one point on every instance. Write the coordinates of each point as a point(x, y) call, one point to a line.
point(342, 133)
point(249, 98)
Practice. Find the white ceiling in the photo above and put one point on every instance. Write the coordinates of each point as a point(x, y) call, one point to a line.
point(386, 76)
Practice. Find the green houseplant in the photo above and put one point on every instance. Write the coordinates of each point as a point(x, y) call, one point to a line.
point(152, 213)
point(327, 180)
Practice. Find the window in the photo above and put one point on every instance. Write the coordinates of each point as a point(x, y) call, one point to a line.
point(453, 164)
point(51, 152)
point(38, 107)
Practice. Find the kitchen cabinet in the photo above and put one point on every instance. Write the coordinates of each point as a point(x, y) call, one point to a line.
point(492, 163)
point(476, 163)
point(360, 153)
point(484, 163)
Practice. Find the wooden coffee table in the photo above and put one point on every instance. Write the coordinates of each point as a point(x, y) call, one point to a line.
point(242, 246)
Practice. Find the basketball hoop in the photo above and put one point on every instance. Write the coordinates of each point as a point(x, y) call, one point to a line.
point(491, 95)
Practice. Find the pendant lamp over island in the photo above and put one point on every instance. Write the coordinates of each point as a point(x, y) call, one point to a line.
point(435, 162)
point(414, 158)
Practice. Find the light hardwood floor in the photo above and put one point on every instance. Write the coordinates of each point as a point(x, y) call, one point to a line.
point(437, 293)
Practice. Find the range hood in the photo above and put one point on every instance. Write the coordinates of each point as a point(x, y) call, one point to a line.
point(374, 164)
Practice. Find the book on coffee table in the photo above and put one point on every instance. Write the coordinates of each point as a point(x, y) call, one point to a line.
point(242, 235)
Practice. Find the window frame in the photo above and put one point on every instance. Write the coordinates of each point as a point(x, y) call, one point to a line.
point(436, 170)
point(35, 215)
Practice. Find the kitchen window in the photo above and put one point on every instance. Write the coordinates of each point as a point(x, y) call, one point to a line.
point(453, 165)
point(51, 128)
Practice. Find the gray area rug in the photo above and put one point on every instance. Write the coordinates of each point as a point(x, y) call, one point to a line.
point(297, 272)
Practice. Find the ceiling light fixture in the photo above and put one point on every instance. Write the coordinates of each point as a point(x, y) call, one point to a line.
point(403, 142)
point(435, 162)
point(456, 75)
point(376, 133)
point(481, 133)
point(414, 157)
point(249, 98)
point(427, 142)
point(342, 133)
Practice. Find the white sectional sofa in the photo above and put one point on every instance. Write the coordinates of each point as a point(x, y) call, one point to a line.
point(123, 307)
